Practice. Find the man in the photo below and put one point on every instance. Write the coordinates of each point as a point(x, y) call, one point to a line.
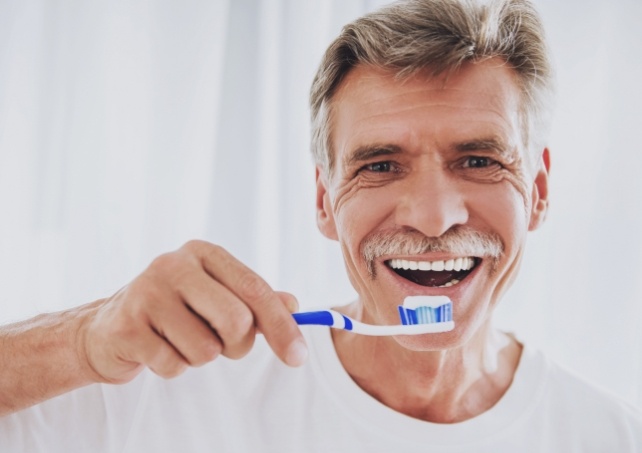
point(429, 130)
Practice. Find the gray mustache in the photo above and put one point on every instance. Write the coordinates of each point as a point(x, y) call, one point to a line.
point(459, 240)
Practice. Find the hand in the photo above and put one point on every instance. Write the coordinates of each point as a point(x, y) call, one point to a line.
point(185, 309)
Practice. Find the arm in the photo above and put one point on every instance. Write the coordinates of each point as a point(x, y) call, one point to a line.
point(187, 308)
point(40, 358)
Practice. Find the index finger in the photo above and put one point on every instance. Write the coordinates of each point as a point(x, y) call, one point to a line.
point(272, 317)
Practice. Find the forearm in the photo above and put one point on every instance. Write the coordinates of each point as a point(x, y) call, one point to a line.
point(187, 308)
point(43, 357)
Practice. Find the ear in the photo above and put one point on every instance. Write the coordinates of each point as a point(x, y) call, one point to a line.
point(539, 208)
point(325, 215)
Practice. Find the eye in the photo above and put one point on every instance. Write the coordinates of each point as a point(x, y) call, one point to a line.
point(478, 162)
point(379, 167)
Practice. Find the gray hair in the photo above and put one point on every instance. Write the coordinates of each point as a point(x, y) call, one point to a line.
point(439, 36)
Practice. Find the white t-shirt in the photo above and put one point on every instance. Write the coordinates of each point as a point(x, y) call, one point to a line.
point(259, 404)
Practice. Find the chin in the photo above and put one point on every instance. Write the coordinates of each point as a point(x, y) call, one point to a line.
point(463, 333)
point(431, 342)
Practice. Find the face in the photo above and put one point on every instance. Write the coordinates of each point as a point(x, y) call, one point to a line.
point(437, 163)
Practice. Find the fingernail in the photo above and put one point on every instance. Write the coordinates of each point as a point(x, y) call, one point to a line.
point(293, 305)
point(297, 353)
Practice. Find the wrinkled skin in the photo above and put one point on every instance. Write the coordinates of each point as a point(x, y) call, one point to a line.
point(427, 155)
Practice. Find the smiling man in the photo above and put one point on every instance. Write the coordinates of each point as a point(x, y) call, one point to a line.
point(429, 132)
point(432, 193)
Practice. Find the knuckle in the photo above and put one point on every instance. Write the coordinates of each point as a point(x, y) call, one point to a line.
point(193, 245)
point(252, 287)
point(158, 356)
point(241, 322)
point(170, 370)
point(166, 364)
point(209, 350)
point(215, 253)
point(169, 269)
point(241, 349)
point(140, 297)
point(199, 248)
point(165, 263)
point(236, 330)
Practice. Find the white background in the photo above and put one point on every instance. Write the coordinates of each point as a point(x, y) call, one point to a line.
point(130, 127)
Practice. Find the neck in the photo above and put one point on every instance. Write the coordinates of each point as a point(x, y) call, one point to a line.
point(445, 386)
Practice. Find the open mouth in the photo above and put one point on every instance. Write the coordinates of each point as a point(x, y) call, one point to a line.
point(440, 274)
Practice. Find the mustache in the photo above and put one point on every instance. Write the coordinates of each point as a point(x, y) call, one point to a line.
point(459, 240)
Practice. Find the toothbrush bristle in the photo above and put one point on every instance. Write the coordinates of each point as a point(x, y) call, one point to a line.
point(426, 315)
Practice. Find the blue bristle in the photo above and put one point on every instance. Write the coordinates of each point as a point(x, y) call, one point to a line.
point(402, 315)
point(426, 315)
point(419, 315)
point(412, 316)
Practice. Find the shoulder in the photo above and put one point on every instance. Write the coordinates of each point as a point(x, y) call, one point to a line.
point(582, 408)
point(568, 385)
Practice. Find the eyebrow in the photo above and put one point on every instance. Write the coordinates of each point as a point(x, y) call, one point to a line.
point(368, 152)
point(484, 144)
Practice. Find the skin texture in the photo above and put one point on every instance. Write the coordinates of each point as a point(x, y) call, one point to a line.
point(424, 156)
point(186, 309)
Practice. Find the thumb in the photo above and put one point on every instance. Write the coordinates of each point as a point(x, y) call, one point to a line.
point(288, 300)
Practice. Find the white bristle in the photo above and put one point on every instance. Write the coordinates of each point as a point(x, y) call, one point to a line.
point(413, 302)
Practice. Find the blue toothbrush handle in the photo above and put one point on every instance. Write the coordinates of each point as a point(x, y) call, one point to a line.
point(319, 318)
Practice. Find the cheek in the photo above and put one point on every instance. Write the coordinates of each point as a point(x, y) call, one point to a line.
point(360, 211)
point(519, 182)
point(503, 207)
point(514, 196)
point(357, 213)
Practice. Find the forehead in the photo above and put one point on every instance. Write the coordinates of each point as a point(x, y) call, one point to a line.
point(479, 101)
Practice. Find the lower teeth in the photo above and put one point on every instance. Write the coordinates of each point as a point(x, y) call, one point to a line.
point(453, 282)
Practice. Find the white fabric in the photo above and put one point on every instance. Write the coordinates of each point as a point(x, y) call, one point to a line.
point(258, 404)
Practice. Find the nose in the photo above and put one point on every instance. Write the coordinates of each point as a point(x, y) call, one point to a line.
point(431, 203)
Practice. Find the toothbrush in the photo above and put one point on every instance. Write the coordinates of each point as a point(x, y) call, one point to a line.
point(419, 314)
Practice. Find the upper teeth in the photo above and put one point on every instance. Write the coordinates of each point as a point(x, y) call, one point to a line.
point(459, 264)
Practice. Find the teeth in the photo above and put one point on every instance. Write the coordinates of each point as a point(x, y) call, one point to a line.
point(454, 281)
point(459, 264)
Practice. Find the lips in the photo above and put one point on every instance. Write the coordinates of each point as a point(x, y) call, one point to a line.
point(440, 273)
